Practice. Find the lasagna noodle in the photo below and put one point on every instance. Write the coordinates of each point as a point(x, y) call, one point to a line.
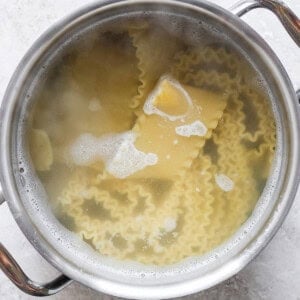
point(41, 149)
point(234, 118)
point(96, 87)
point(231, 162)
point(175, 152)
point(140, 227)
point(155, 50)
point(207, 60)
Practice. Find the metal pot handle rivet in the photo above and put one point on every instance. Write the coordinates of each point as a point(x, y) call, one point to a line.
point(288, 19)
point(14, 272)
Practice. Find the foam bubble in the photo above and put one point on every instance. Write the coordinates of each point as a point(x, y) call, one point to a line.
point(83, 150)
point(170, 224)
point(196, 128)
point(129, 160)
point(224, 182)
point(117, 151)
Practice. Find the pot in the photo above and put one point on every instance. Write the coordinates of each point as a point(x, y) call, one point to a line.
point(136, 281)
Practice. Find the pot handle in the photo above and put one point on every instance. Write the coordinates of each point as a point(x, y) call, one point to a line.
point(14, 272)
point(289, 20)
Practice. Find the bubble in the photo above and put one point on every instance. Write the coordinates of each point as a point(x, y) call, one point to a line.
point(224, 182)
point(170, 224)
point(196, 128)
point(118, 152)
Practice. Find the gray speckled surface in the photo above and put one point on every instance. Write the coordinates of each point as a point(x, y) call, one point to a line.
point(274, 274)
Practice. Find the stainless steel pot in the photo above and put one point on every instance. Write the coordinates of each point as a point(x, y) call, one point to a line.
point(218, 265)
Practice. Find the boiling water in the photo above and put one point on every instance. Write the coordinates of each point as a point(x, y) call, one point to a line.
point(152, 146)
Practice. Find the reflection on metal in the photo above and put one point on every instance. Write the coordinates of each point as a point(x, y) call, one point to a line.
point(13, 271)
point(288, 19)
point(2, 199)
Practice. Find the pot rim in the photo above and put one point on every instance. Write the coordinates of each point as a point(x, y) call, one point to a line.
point(231, 267)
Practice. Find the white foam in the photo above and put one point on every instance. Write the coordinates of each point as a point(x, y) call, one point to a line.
point(224, 182)
point(128, 160)
point(196, 128)
point(170, 224)
point(117, 151)
point(83, 150)
point(149, 107)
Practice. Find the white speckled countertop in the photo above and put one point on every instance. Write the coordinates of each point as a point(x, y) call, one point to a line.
point(274, 274)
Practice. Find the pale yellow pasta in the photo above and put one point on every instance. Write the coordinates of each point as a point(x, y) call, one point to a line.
point(176, 152)
point(232, 163)
point(152, 45)
point(211, 60)
point(234, 120)
point(143, 226)
point(41, 149)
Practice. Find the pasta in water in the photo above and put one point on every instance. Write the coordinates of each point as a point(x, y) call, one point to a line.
point(41, 149)
point(150, 148)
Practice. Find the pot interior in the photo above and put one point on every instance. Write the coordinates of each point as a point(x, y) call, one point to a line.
point(194, 27)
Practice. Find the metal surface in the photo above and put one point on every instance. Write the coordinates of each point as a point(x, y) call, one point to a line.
point(289, 20)
point(2, 199)
point(157, 291)
point(13, 271)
